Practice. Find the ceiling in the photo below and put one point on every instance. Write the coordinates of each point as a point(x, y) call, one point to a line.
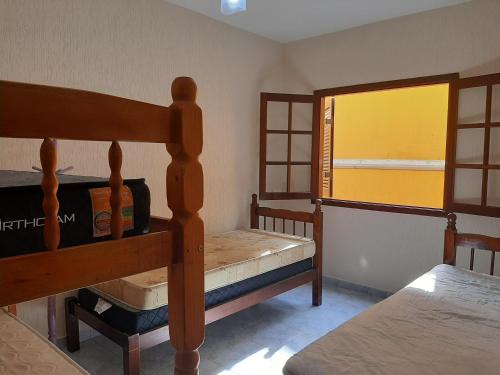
point(289, 20)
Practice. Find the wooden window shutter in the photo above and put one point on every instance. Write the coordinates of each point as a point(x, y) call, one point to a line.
point(473, 153)
point(326, 134)
point(289, 151)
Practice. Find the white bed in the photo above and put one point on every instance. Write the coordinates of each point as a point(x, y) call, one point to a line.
point(445, 322)
point(24, 351)
point(229, 258)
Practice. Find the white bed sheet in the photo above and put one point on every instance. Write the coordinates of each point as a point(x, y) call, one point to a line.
point(445, 322)
point(23, 351)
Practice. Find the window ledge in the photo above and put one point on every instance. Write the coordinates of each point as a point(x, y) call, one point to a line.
point(435, 212)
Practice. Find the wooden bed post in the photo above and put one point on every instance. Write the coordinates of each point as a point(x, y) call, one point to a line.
point(450, 248)
point(185, 198)
point(254, 216)
point(317, 284)
point(51, 230)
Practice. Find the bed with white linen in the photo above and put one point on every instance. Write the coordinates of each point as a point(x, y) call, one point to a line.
point(445, 322)
point(24, 351)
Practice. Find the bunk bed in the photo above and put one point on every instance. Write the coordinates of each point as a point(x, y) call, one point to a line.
point(50, 113)
point(242, 268)
point(445, 322)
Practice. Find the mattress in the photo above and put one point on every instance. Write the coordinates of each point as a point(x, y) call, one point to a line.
point(229, 258)
point(131, 321)
point(24, 351)
point(445, 322)
point(84, 213)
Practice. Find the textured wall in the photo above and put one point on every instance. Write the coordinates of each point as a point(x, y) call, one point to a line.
point(134, 49)
point(386, 250)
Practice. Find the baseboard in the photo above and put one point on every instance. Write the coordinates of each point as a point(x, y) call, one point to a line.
point(356, 287)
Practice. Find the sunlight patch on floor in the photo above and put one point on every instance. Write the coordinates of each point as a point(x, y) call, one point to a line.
point(264, 362)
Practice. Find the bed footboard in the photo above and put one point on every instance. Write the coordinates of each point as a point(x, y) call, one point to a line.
point(315, 218)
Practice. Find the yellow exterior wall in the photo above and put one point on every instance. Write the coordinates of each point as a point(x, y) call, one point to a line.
point(399, 124)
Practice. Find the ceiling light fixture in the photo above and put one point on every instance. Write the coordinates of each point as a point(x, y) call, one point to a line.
point(229, 7)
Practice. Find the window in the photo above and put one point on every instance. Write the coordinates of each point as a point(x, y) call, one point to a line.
point(387, 146)
point(424, 146)
point(286, 146)
point(474, 168)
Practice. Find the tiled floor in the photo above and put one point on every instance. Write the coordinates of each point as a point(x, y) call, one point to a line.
point(256, 341)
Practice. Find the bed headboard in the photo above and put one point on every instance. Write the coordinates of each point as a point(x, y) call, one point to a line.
point(453, 239)
point(50, 113)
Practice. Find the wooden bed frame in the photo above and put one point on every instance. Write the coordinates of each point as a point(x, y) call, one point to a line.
point(453, 239)
point(49, 113)
point(133, 344)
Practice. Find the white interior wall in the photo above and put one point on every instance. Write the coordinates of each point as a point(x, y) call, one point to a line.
point(134, 49)
point(387, 250)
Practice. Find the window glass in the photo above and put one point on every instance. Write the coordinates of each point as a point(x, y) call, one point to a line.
point(472, 105)
point(277, 147)
point(276, 178)
point(389, 146)
point(277, 115)
point(468, 186)
point(470, 146)
point(302, 116)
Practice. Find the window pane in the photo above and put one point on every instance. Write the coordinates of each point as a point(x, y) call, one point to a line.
point(277, 147)
point(302, 116)
point(277, 115)
point(495, 104)
point(470, 146)
point(493, 198)
point(300, 178)
point(468, 186)
point(301, 147)
point(495, 146)
point(389, 146)
point(276, 178)
point(472, 105)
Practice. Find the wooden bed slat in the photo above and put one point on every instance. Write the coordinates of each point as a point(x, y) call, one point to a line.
point(32, 276)
point(285, 214)
point(471, 263)
point(36, 111)
point(116, 184)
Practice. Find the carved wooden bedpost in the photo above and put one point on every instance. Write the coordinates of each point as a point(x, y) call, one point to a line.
point(318, 257)
point(51, 231)
point(450, 248)
point(254, 217)
point(185, 197)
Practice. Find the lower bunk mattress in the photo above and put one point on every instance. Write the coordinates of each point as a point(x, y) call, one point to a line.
point(84, 210)
point(236, 263)
point(445, 322)
point(25, 351)
point(131, 321)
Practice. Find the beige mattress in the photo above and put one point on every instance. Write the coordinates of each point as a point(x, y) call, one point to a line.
point(229, 257)
point(445, 322)
point(24, 351)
